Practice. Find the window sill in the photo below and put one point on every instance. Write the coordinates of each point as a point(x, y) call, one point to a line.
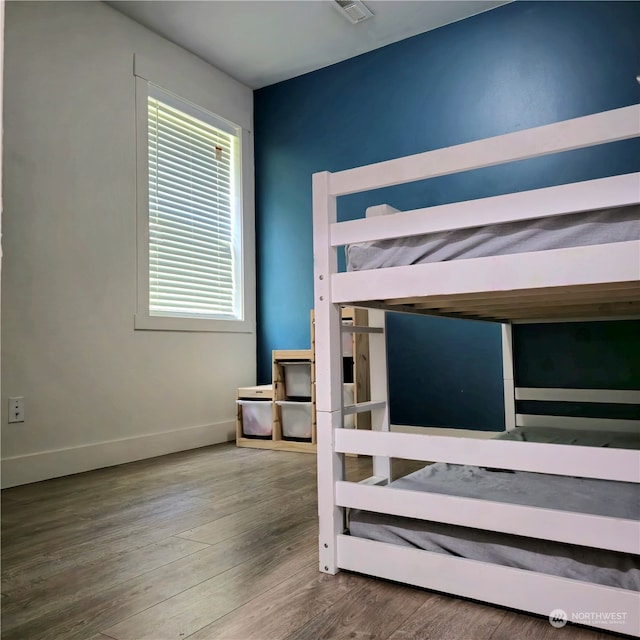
point(161, 323)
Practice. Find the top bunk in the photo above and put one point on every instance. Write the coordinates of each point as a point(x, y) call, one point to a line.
point(563, 252)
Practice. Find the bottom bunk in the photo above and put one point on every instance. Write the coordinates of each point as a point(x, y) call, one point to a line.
point(594, 586)
point(560, 599)
point(582, 495)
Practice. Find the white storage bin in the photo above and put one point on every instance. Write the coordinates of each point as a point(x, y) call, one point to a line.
point(297, 379)
point(347, 340)
point(295, 418)
point(257, 417)
point(348, 399)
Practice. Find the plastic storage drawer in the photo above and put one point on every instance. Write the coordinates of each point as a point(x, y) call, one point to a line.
point(297, 379)
point(348, 399)
point(295, 418)
point(257, 417)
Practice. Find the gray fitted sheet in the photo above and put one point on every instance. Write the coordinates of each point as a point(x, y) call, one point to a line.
point(580, 437)
point(572, 230)
point(583, 495)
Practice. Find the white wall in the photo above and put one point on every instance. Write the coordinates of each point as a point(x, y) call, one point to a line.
point(96, 391)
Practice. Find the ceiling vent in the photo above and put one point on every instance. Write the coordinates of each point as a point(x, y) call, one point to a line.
point(353, 10)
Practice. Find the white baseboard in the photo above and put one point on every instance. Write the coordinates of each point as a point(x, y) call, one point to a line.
point(444, 431)
point(63, 462)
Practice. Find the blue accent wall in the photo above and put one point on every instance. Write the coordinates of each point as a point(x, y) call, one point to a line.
point(587, 355)
point(519, 66)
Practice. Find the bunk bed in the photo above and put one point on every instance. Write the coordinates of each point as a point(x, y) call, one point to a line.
point(533, 489)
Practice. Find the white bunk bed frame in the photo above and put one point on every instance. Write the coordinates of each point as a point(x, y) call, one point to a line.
point(589, 282)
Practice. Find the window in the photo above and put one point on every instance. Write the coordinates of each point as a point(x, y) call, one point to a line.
point(190, 217)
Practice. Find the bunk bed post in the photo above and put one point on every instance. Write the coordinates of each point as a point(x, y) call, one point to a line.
point(328, 362)
point(508, 377)
point(379, 388)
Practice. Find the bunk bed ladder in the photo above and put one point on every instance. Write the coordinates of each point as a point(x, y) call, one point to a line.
point(378, 406)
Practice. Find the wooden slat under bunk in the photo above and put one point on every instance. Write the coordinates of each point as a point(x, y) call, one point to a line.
point(596, 281)
point(609, 300)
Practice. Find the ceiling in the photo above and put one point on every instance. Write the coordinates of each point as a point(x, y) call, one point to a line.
point(261, 42)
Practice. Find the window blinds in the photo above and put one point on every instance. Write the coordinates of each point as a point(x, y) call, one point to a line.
point(193, 270)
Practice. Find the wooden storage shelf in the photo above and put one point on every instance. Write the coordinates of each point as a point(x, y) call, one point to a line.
point(277, 391)
point(280, 358)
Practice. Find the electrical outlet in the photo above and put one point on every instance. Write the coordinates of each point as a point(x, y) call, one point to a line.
point(16, 409)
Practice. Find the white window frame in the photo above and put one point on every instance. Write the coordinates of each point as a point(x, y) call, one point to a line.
point(143, 318)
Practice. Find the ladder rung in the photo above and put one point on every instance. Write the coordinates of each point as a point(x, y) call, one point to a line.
point(361, 407)
point(354, 328)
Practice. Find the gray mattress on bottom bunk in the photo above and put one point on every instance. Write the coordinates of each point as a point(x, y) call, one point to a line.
point(583, 495)
point(571, 230)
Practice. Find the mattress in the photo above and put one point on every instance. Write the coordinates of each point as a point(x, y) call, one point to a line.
point(556, 232)
point(583, 495)
point(580, 437)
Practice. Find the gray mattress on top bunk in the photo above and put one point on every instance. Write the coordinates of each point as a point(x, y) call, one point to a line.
point(583, 495)
point(571, 230)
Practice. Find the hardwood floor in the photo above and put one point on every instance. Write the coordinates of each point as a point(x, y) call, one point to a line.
point(213, 544)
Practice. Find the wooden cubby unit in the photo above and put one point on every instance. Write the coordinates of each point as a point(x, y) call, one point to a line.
point(280, 357)
point(276, 391)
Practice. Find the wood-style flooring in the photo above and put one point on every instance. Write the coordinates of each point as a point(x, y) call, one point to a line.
point(217, 543)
